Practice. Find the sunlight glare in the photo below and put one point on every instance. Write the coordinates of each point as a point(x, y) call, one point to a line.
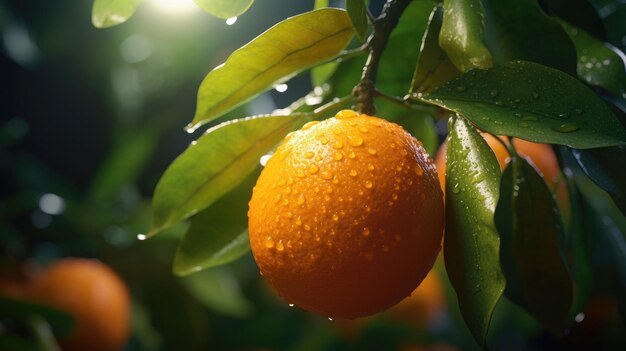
point(175, 6)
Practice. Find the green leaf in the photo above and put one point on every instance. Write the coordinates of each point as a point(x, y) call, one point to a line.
point(597, 64)
point(357, 10)
point(61, 323)
point(322, 73)
point(320, 3)
point(225, 8)
point(606, 168)
point(287, 48)
point(520, 30)
point(217, 163)
point(433, 68)
point(14, 343)
point(534, 232)
point(219, 291)
point(532, 102)
point(461, 35)
point(471, 242)
point(403, 49)
point(108, 13)
point(218, 234)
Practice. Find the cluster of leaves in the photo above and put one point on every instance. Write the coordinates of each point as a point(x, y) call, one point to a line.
point(506, 68)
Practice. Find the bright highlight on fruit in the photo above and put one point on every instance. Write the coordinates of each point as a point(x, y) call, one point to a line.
point(347, 217)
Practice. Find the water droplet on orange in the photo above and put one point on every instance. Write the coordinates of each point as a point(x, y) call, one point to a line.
point(309, 154)
point(355, 140)
point(418, 170)
point(353, 173)
point(372, 151)
point(268, 242)
point(313, 169)
point(337, 144)
point(325, 141)
point(280, 246)
point(366, 232)
point(318, 158)
point(335, 217)
point(368, 184)
point(309, 125)
point(337, 155)
point(370, 167)
point(343, 114)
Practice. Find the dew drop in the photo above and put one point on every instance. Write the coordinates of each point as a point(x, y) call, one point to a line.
point(366, 232)
point(355, 140)
point(353, 173)
point(325, 141)
point(313, 169)
point(298, 221)
point(301, 200)
point(343, 114)
point(352, 155)
point(309, 154)
point(567, 128)
point(337, 156)
point(307, 227)
point(564, 115)
point(418, 170)
point(280, 246)
point(291, 305)
point(268, 242)
point(337, 144)
point(300, 174)
point(310, 125)
point(318, 158)
point(457, 188)
point(372, 151)
point(368, 184)
point(363, 129)
point(370, 167)
point(335, 217)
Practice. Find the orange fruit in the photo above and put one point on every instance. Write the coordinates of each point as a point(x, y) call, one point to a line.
point(94, 295)
point(346, 218)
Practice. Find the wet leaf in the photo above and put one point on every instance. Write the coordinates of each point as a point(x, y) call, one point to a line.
point(357, 10)
point(520, 30)
point(433, 68)
point(532, 102)
point(461, 35)
point(471, 243)
point(532, 238)
point(220, 159)
point(108, 13)
point(287, 48)
point(218, 235)
point(603, 167)
point(219, 291)
point(598, 64)
point(224, 8)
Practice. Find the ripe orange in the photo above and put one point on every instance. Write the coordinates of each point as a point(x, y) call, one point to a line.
point(346, 218)
point(94, 295)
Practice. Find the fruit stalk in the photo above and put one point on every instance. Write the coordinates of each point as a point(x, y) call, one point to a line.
point(365, 91)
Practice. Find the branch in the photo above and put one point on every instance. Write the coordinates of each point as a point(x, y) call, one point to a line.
point(365, 91)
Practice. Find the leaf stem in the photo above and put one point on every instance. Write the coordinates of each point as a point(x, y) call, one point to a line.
point(383, 26)
point(406, 103)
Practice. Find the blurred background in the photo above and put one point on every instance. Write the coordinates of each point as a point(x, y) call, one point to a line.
point(91, 118)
